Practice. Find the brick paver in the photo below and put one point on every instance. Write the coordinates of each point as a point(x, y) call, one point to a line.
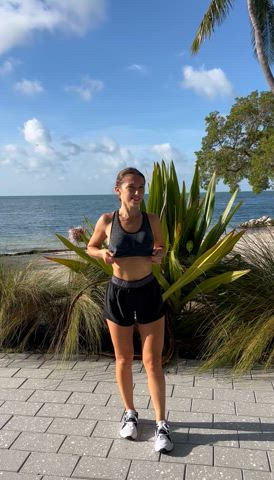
point(60, 421)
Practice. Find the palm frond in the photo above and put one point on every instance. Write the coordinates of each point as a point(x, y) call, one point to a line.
point(264, 12)
point(216, 13)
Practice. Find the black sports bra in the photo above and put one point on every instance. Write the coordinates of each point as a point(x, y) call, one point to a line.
point(131, 244)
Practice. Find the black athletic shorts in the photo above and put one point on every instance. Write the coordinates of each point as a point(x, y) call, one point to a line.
point(127, 302)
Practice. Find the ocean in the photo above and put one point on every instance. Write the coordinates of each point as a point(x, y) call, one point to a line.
point(28, 223)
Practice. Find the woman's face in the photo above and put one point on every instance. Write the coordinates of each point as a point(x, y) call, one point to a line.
point(131, 190)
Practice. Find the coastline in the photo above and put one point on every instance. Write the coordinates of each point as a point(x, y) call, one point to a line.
point(252, 238)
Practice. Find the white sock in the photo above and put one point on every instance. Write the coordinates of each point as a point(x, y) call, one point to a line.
point(160, 423)
point(131, 411)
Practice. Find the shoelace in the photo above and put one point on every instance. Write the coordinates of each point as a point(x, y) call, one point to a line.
point(163, 430)
point(129, 417)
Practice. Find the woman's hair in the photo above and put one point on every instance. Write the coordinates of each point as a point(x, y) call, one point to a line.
point(127, 171)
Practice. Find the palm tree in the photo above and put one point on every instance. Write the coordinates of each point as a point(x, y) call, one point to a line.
point(261, 14)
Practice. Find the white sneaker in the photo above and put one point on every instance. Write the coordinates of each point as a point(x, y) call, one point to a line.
point(129, 427)
point(163, 441)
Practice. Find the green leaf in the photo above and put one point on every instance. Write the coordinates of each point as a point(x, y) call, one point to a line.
point(211, 284)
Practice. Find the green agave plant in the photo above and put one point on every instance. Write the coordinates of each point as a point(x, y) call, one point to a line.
point(193, 249)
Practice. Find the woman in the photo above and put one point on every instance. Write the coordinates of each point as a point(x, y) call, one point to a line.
point(133, 296)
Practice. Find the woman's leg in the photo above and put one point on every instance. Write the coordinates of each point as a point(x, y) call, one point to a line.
point(152, 336)
point(122, 339)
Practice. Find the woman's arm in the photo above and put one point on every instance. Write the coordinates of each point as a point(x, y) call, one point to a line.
point(98, 237)
point(158, 248)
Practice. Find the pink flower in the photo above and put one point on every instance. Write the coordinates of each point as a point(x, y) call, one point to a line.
point(75, 234)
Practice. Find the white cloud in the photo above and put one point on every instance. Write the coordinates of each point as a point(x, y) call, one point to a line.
point(210, 83)
point(22, 18)
point(35, 133)
point(136, 67)
point(87, 89)
point(29, 87)
point(43, 156)
point(166, 151)
point(7, 66)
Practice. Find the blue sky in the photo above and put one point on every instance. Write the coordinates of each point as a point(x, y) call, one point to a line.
point(92, 86)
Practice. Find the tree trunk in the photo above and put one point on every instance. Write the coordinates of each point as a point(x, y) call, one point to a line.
point(259, 46)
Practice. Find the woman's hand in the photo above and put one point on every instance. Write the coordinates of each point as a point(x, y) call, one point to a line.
point(157, 255)
point(107, 256)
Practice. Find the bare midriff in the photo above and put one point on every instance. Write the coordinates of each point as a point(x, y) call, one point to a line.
point(132, 268)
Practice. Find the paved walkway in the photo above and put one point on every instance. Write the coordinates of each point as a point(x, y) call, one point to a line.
point(61, 421)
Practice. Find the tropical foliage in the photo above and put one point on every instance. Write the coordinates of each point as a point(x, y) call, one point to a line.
point(239, 319)
point(261, 14)
point(240, 145)
point(50, 311)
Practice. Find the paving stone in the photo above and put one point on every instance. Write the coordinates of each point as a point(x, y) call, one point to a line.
point(84, 398)
point(234, 395)
point(142, 389)
point(40, 384)
point(258, 441)
point(181, 404)
point(26, 363)
point(211, 436)
point(140, 401)
point(4, 419)
point(264, 397)
point(213, 406)
point(5, 362)
point(267, 424)
point(195, 472)
point(95, 376)
point(213, 382)
point(107, 429)
point(146, 415)
point(7, 438)
point(69, 426)
point(271, 458)
point(241, 458)
point(149, 471)
point(60, 410)
point(50, 463)
point(12, 382)
point(20, 408)
point(101, 413)
point(58, 478)
point(18, 476)
point(236, 422)
point(7, 372)
point(102, 468)
point(105, 387)
point(256, 409)
point(138, 450)
point(74, 386)
point(15, 394)
point(12, 460)
point(92, 446)
point(253, 385)
point(187, 380)
point(38, 442)
point(58, 364)
point(249, 475)
point(187, 453)
point(66, 375)
point(191, 419)
point(87, 366)
point(45, 396)
point(33, 373)
point(28, 424)
point(192, 392)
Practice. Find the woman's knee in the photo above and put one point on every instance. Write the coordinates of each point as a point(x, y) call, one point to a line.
point(124, 360)
point(153, 363)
